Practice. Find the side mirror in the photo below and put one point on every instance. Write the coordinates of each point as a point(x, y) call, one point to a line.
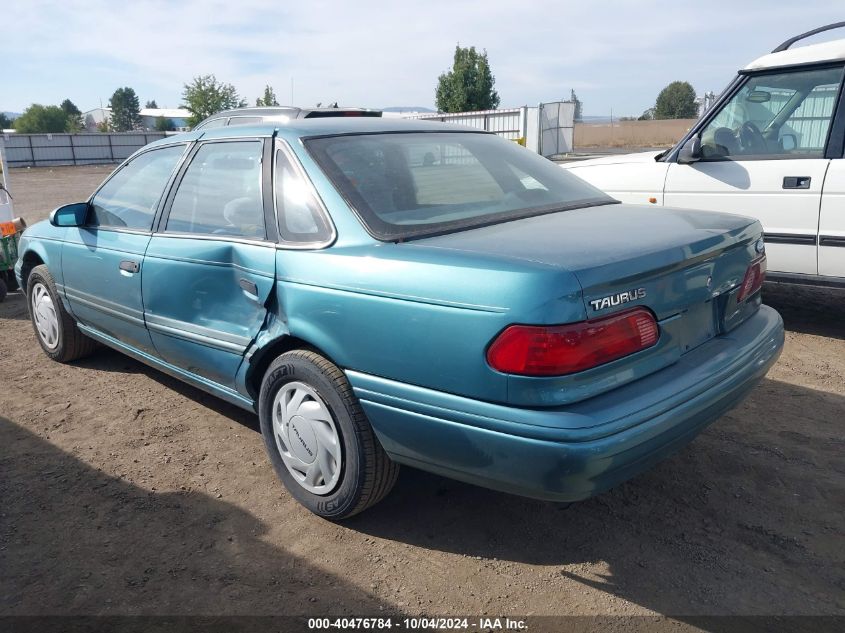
point(690, 152)
point(788, 142)
point(70, 214)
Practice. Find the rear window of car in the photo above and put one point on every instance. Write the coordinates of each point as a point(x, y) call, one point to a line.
point(407, 185)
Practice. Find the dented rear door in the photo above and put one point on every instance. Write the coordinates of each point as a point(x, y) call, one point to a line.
point(210, 268)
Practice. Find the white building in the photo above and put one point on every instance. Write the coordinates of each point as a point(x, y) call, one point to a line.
point(149, 118)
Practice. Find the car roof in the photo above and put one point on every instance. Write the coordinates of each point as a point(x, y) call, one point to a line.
point(257, 111)
point(813, 53)
point(281, 111)
point(295, 129)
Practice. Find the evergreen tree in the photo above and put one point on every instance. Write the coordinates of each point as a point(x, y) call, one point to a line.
point(469, 86)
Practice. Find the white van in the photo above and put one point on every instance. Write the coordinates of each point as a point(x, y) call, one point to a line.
point(771, 147)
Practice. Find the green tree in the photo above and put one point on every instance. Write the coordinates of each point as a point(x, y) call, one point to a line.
point(5, 122)
point(269, 98)
point(74, 116)
point(469, 86)
point(151, 104)
point(163, 124)
point(38, 119)
point(578, 105)
point(205, 96)
point(676, 101)
point(125, 110)
point(647, 115)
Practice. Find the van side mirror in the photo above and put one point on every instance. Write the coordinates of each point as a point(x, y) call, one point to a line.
point(70, 214)
point(690, 152)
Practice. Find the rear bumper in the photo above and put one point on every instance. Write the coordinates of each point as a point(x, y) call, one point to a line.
point(577, 451)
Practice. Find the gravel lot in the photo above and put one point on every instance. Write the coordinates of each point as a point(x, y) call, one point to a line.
point(123, 491)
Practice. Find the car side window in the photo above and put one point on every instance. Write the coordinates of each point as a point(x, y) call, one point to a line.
point(775, 115)
point(302, 219)
point(220, 193)
point(130, 197)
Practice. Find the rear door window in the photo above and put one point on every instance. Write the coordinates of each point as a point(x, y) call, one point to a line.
point(220, 192)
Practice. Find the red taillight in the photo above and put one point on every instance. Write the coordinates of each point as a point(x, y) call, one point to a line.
point(556, 350)
point(753, 280)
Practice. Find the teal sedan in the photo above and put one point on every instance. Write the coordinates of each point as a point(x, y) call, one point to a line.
point(384, 292)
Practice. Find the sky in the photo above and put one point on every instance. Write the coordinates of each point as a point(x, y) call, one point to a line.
point(615, 54)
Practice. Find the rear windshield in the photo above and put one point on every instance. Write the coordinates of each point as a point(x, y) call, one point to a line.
point(406, 185)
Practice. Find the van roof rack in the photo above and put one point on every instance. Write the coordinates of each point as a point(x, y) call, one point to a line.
point(821, 29)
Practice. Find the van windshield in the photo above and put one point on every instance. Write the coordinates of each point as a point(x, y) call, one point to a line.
point(416, 184)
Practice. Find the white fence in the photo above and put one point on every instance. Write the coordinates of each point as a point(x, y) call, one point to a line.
point(44, 150)
point(547, 128)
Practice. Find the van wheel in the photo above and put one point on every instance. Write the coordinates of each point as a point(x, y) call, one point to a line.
point(318, 438)
point(55, 329)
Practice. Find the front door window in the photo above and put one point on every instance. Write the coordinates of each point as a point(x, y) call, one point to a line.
point(777, 115)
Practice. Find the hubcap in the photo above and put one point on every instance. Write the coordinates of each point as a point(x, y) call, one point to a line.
point(307, 438)
point(45, 317)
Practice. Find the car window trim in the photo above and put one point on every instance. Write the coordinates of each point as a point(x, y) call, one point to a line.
point(215, 238)
point(281, 145)
point(159, 226)
point(742, 77)
point(161, 199)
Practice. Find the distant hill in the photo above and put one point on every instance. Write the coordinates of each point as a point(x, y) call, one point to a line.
point(407, 109)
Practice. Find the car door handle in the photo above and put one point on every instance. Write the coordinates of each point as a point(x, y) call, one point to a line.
point(129, 266)
point(796, 182)
point(248, 286)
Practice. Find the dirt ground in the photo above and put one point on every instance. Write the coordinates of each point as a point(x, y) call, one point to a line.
point(123, 491)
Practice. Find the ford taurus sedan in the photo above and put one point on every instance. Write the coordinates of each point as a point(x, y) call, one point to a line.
point(385, 292)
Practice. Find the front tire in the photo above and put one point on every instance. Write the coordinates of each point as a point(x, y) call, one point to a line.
point(55, 329)
point(318, 437)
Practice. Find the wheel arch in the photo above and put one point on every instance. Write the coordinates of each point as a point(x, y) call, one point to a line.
point(29, 260)
point(268, 352)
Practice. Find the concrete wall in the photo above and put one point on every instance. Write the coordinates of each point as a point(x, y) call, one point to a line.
point(663, 133)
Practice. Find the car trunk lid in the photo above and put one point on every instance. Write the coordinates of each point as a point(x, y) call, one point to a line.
point(684, 266)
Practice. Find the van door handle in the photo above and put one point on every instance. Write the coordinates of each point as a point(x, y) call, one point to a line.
point(129, 266)
point(796, 182)
point(248, 286)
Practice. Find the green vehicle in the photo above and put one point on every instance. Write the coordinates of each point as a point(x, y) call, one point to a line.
point(8, 234)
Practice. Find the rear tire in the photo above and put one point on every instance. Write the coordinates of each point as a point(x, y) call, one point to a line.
point(4, 289)
point(54, 327)
point(311, 421)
